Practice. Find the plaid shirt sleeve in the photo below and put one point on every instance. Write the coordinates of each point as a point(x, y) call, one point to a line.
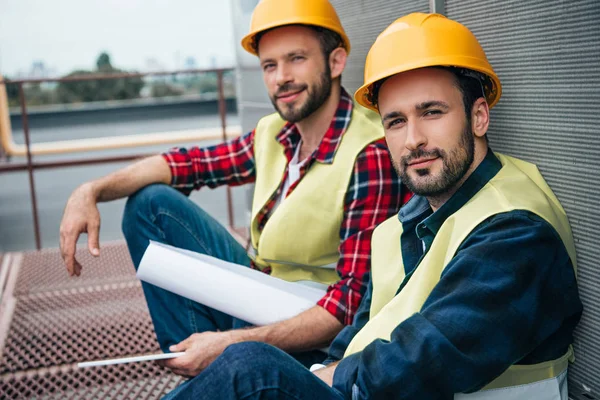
point(229, 163)
point(374, 194)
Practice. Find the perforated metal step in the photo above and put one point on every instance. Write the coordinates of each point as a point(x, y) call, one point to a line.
point(50, 321)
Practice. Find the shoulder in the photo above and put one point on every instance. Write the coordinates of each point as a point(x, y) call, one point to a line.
point(517, 240)
point(517, 222)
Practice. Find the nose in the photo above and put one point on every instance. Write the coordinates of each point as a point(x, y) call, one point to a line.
point(414, 136)
point(283, 75)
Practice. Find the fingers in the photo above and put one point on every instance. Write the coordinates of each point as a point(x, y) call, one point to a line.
point(182, 363)
point(183, 345)
point(93, 232)
point(68, 242)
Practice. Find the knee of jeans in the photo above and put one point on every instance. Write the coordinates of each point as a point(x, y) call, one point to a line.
point(140, 204)
point(250, 356)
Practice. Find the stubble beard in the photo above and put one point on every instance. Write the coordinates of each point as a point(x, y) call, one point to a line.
point(455, 166)
point(318, 94)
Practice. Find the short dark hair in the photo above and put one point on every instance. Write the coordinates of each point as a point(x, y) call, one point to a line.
point(472, 85)
point(328, 39)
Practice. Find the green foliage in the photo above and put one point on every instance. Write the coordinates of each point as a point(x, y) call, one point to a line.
point(99, 90)
point(162, 89)
point(80, 91)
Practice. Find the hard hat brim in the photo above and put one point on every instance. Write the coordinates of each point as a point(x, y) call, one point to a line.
point(248, 40)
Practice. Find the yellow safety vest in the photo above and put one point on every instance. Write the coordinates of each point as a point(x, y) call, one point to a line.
point(517, 186)
point(300, 240)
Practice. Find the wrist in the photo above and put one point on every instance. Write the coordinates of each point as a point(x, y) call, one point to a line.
point(239, 336)
point(90, 191)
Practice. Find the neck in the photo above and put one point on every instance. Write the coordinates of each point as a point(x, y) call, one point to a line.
point(313, 128)
point(437, 201)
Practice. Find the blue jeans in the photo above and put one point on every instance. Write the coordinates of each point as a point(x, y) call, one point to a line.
point(161, 213)
point(254, 370)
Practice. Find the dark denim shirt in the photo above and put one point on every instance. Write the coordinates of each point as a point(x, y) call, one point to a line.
point(508, 296)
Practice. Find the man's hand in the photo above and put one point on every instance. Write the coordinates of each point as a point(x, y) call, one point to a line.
point(201, 349)
point(326, 374)
point(81, 216)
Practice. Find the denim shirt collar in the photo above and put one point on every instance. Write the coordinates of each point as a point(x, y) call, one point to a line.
point(418, 206)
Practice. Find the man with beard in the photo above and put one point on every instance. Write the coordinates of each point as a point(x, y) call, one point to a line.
point(319, 192)
point(473, 292)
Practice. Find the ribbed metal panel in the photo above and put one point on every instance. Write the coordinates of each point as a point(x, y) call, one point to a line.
point(547, 54)
point(364, 21)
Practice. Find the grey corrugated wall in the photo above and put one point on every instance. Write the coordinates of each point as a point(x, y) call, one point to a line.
point(547, 54)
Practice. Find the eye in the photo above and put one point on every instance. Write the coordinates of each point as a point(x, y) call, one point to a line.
point(268, 67)
point(395, 122)
point(297, 58)
point(432, 112)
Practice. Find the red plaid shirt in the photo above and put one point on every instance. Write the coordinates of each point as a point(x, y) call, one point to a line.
point(374, 194)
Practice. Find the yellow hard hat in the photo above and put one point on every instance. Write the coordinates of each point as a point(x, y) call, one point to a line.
point(270, 14)
point(421, 40)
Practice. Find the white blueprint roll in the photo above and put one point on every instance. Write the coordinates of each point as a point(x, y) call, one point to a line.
point(234, 289)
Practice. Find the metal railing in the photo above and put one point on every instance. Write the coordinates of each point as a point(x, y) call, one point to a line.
point(9, 148)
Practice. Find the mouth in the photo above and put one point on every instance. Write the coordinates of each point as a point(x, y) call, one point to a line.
point(289, 96)
point(422, 162)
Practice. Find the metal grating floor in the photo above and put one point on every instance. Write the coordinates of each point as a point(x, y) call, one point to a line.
point(49, 322)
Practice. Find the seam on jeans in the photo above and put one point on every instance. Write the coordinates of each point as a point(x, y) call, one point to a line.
point(271, 388)
point(188, 229)
point(192, 316)
point(161, 233)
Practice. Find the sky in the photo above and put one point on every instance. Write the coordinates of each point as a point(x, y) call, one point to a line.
point(70, 34)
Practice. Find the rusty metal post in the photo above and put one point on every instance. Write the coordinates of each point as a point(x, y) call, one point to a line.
point(36, 222)
point(223, 115)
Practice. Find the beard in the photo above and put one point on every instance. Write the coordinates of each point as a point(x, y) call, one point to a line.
point(318, 93)
point(456, 163)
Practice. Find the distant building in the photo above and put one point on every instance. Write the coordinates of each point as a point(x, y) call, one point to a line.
point(190, 63)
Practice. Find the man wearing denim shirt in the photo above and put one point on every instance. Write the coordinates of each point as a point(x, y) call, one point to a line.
point(473, 292)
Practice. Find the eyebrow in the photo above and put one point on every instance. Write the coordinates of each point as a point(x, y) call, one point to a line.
point(419, 107)
point(432, 103)
point(296, 52)
point(392, 115)
point(288, 55)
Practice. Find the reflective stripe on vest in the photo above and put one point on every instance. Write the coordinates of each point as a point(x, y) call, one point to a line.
point(546, 389)
point(301, 238)
point(517, 186)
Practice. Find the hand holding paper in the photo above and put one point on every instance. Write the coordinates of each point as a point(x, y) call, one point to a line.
point(200, 349)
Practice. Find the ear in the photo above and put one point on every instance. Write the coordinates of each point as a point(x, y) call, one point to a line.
point(480, 117)
point(337, 62)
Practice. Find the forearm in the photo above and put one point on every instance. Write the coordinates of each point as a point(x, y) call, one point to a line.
point(312, 329)
point(130, 179)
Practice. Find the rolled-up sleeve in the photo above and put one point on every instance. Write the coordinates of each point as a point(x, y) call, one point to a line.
point(229, 163)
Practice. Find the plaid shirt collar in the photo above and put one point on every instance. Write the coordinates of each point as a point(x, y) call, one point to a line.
point(289, 137)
